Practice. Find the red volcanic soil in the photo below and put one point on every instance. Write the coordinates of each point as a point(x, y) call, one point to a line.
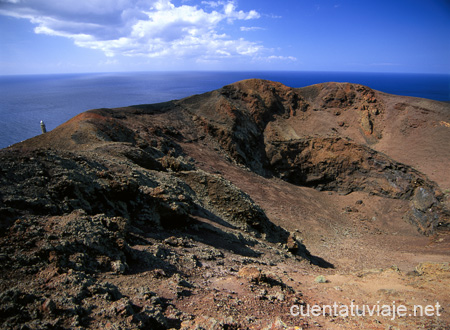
point(229, 210)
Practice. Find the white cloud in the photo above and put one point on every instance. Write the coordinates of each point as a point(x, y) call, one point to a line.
point(251, 28)
point(231, 13)
point(213, 4)
point(151, 28)
point(282, 58)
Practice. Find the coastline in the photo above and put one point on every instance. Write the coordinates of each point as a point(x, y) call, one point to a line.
point(26, 100)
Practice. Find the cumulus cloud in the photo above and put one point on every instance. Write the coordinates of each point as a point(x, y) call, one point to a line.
point(151, 28)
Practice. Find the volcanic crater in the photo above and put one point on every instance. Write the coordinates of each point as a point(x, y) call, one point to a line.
point(221, 210)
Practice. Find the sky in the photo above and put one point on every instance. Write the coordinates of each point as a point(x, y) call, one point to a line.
point(69, 36)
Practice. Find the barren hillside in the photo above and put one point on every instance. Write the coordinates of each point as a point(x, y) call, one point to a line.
point(220, 211)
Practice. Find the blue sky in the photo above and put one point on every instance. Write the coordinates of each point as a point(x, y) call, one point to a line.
point(48, 36)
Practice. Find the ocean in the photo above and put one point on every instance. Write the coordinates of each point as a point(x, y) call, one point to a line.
point(25, 100)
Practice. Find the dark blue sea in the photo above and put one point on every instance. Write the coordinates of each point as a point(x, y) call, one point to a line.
point(26, 100)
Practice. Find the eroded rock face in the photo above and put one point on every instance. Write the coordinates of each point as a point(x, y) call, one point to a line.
point(220, 196)
point(343, 166)
point(238, 117)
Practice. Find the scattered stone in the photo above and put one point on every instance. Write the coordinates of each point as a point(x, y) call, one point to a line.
point(118, 267)
point(49, 306)
point(433, 268)
point(423, 199)
point(250, 273)
point(320, 279)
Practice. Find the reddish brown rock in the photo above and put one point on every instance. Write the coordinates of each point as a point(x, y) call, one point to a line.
point(223, 208)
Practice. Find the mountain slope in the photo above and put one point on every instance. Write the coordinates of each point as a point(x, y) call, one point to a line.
point(330, 176)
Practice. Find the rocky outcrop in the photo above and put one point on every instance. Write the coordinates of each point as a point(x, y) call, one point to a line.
point(369, 109)
point(238, 118)
point(221, 197)
point(340, 165)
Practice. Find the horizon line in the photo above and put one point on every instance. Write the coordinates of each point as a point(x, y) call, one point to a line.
point(222, 71)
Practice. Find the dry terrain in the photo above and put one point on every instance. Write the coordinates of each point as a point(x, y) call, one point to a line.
point(230, 210)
